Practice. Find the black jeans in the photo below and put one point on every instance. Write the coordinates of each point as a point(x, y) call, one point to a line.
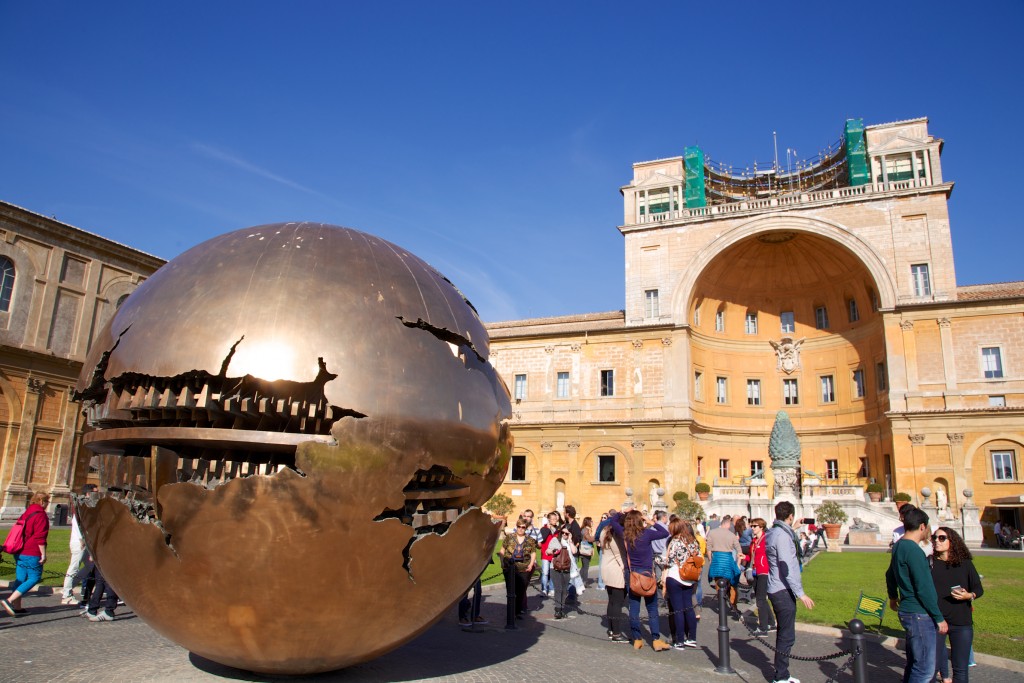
point(960, 639)
point(765, 618)
point(102, 588)
point(470, 609)
point(520, 582)
point(561, 581)
point(585, 568)
point(785, 613)
point(616, 605)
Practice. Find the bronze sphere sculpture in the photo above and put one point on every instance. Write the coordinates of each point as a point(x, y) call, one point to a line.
point(297, 425)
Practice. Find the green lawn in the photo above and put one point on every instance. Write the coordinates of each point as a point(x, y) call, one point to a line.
point(57, 558)
point(834, 580)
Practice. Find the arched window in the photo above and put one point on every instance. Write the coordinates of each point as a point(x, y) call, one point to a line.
point(6, 283)
point(120, 300)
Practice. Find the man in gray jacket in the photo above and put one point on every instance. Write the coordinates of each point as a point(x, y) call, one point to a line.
point(784, 585)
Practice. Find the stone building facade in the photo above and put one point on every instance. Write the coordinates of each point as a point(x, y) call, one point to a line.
point(58, 287)
point(827, 291)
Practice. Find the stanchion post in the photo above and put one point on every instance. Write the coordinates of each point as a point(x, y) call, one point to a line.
point(510, 594)
point(723, 628)
point(860, 660)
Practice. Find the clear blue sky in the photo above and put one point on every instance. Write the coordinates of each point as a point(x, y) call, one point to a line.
point(488, 138)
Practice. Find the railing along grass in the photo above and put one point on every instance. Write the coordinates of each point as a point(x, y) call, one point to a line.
point(834, 580)
point(57, 557)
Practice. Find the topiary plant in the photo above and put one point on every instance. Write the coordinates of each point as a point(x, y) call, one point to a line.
point(830, 512)
point(688, 509)
point(702, 487)
point(875, 488)
point(679, 495)
point(500, 505)
point(901, 497)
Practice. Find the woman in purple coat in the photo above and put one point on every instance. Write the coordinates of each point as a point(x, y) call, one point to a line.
point(638, 534)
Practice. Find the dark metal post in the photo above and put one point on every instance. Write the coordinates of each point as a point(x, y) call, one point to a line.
point(860, 661)
point(510, 594)
point(723, 628)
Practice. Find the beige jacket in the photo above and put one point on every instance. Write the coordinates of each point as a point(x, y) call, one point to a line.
point(613, 567)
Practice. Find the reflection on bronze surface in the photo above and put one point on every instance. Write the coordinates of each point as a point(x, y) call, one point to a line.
point(295, 425)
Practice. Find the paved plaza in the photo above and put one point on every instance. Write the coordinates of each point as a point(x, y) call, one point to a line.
point(53, 643)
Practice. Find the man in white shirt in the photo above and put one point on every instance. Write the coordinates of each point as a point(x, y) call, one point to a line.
point(77, 547)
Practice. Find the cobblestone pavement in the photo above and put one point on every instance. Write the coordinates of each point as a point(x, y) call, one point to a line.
point(54, 644)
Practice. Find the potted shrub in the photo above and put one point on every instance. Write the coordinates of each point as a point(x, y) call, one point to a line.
point(875, 492)
point(831, 516)
point(686, 508)
point(703, 489)
point(901, 498)
point(500, 506)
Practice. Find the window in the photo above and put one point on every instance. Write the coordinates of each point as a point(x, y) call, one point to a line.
point(562, 387)
point(997, 401)
point(720, 321)
point(700, 467)
point(753, 392)
point(858, 383)
point(698, 385)
point(851, 307)
point(651, 303)
point(789, 392)
point(751, 323)
point(831, 469)
point(517, 472)
point(865, 468)
point(992, 362)
point(721, 395)
point(723, 469)
point(6, 283)
point(606, 468)
point(881, 379)
point(919, 277)
point(788, 322)
point(828, 389)
point(757, 469)
point(607, 382)
point(120, 300)
point(520, 387)
point(821, 318)
point(1002, 465)
point(696, 316)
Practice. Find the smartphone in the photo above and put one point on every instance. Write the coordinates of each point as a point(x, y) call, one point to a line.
point(955, 588)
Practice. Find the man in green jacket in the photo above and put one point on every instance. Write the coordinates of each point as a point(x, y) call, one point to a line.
point(912, 596)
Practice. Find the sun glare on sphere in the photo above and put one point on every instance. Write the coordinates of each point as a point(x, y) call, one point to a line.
point(270, 360)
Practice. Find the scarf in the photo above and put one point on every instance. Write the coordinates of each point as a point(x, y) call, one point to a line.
point(796, 542)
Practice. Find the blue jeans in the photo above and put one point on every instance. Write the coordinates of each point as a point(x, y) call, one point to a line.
point(600, 579)
point(28, 573)
point(960, 640)
point(784, 605)
point(546, 584)
point(652, 615)
point(921, 642)
point(680, 598)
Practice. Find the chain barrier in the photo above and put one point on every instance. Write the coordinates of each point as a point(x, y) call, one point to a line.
point(47, 573)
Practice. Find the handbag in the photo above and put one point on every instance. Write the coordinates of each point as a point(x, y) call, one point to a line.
point(15, 541)
point(691, 568)
point(562, 561)
point(641, 583)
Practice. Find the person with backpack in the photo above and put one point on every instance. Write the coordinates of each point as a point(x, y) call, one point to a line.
point(562, 550)
point(26, 542)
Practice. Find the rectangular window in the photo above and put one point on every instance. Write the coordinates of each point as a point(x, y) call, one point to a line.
point(865, 468)
point(858, 383)
point(997, 401)
point(606, 468)
point(1002, 465)
point(721, 389)
point(831, 469)
point(789, 392)
point(700, 467)
point(881, 379)
point(751, 323)
point(757, 469)
point(607, 382)
point(696, 316)
point(651, 303)
point(562, 387)
point(517, 471)
point(723, 469)
point(520, 390)
point(821, 318)
point(919, 277)
point(992, 362)
point(851, 307)
point(753, 392)
point(828, 389)
point(698, 386)
point(720, 321)
point(788, 322)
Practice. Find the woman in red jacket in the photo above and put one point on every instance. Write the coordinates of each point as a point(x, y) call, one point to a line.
point(30, 560)
point(759, 561)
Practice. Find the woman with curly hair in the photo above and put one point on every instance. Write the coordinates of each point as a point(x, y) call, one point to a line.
point(638, 533)
point(957, 584)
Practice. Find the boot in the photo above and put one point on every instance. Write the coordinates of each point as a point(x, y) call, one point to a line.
point(660, 645)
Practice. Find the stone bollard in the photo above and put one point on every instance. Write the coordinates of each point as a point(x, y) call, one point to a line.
point(860, 661)
point(723, 628)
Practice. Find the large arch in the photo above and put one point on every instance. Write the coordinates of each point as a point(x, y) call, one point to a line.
point(686, 285)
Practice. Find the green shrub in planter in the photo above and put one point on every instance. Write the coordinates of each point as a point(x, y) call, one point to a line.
point(901, 497)
point(875, 488)
point(688, 509)
point(679, 495)
point(702, 487)
point(829, 512)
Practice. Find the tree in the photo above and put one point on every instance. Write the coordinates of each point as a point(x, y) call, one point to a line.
point(686, 508)
point(500, 505)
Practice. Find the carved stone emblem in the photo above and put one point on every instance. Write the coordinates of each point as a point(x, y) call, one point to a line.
point(788, 352)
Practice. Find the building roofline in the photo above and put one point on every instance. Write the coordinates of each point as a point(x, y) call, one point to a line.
point(903, 122)
point(559, 319)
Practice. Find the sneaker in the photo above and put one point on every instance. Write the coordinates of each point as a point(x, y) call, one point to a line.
point(771, 628)
point(69, 600)
point(465, 623)
point(619, 638)
point(787, 680)
point(678, 646)
point(638, 644)
point(8, 608)
point(693, 644)
point(660, 645)
point(759, 632)
point(101, 616)
point(480, 621)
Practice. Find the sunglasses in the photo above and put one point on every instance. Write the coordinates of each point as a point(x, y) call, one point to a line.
point(940, 537)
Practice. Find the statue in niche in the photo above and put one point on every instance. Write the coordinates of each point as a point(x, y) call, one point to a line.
point(788, 351)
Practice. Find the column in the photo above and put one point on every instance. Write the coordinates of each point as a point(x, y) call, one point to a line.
point(917, 462)
point(17, 490)
point(910, 354)
point(956, 452)
point(885, 173)
point(636, 207)
point(636, 477)
point(948, 362)
point(913, 168)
